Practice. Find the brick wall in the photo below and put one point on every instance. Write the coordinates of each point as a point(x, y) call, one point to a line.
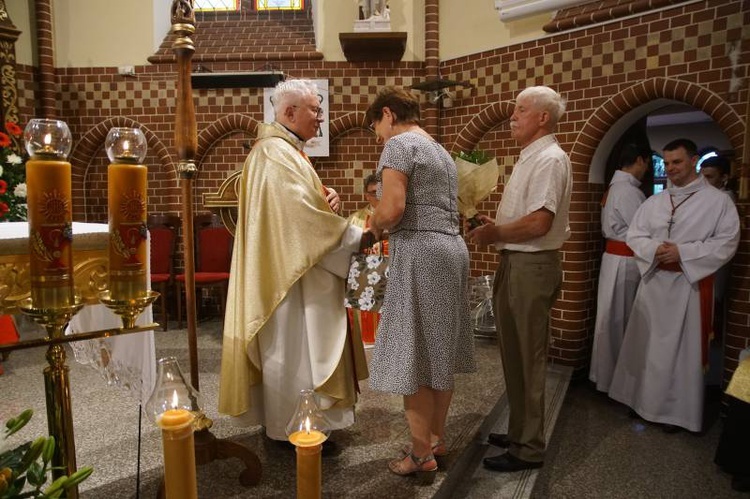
point(604, 71)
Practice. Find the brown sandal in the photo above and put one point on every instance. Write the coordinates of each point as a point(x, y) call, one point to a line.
point(424, 468)
point(439, 451)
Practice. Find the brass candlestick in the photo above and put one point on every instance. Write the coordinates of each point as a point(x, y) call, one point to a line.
point(128, 309)
point(57, 386)
point(53, 301)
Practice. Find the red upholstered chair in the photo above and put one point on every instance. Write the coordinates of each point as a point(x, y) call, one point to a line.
point(163, 230)
point(213, 258)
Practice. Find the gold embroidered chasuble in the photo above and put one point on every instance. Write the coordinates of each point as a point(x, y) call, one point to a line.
point(284, 228)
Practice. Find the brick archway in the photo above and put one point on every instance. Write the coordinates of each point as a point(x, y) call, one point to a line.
point(222, 127)
point(617, 106)
point(93, 140)
point(344, 124)
point(480, 124)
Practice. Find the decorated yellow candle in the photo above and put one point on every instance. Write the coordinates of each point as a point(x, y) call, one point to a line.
point(179, 453)
point(50, 213)
point(127, 181)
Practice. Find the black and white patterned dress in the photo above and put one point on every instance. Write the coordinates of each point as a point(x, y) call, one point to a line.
point(424, 337)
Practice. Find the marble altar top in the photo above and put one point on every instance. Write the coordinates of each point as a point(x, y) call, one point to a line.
point(14, 237)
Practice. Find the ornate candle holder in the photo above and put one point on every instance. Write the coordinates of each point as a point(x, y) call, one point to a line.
point(172, 406)
point(307, 430)
point(127, 294)
point(53, 302)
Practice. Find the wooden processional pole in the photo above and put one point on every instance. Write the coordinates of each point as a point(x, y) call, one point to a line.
point(207, 446)
point(744, 190)
point(186, 142)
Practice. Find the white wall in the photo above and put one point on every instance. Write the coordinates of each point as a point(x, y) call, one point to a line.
point(95, 33)
point(703, 134)
point(471, 26)
point(20, 13)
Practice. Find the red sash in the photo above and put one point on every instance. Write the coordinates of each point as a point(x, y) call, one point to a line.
point(617, 248)
point(706, 293)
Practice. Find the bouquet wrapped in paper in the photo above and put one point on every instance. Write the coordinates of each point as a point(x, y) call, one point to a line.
point(477, 177)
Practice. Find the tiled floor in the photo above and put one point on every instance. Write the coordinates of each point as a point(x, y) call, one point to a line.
point(595, 450)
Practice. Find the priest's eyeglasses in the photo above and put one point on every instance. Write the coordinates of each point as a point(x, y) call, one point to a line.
point(317, 110)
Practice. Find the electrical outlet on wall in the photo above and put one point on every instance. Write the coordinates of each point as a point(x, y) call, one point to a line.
point(126, 70)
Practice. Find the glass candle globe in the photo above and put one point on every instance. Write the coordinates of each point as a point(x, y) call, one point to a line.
point(307, 422)
point(172, 391)
point(47, 138)
point(126, 145)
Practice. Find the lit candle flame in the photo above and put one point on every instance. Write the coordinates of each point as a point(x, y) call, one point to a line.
point(47, 139)
point(307, 424)
point(175, 403)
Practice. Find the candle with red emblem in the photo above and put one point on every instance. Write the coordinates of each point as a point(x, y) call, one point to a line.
point(50, 213)
point(127, 180)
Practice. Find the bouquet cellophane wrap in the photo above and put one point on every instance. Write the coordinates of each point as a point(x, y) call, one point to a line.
point(739, 386)
point(475, 182)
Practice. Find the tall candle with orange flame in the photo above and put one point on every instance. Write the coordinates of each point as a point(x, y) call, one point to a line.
point(127, 181)
point(50, 213)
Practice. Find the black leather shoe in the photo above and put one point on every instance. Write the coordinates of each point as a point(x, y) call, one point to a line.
point(498, 440)
point(508, 463)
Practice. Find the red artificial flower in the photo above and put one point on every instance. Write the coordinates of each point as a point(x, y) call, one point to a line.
point(4, 140)
point(3, 186)
point(3, 209)
point(13, 129)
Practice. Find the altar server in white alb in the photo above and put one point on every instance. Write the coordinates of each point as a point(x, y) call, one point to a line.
point(618, 276)
point(680, 237)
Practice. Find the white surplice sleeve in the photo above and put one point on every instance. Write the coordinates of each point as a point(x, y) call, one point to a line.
point(702, 258)
point(640, 237)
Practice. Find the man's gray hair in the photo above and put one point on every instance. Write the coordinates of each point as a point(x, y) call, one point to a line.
point(291, 90)
point(545, 99)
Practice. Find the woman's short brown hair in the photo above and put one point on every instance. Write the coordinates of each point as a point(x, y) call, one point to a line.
point(402, 103)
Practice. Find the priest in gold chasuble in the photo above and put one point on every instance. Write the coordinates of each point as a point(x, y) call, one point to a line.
point(285, 326)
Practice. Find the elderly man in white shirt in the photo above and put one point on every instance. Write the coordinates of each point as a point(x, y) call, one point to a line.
point(531, 226)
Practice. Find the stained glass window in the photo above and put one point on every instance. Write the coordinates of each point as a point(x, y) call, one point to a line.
point(279, 4)
point(216, 5)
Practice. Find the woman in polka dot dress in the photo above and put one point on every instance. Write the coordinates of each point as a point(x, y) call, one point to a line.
point(424, 337)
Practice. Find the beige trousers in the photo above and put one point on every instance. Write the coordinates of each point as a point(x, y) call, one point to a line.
point(526, 285)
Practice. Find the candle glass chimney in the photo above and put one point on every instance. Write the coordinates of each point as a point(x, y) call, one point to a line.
point(126, 145)
point(308, 417)
point(47, 139)
point(171, 391)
